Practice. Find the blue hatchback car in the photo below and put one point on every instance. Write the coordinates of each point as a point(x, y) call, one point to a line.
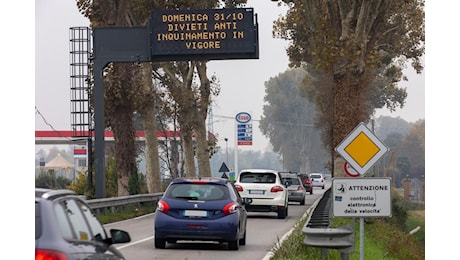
point(201, 209)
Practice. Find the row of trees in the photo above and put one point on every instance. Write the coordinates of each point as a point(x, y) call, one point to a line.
point(354, 53)
point(181, 90)
point(288, 121)
point(406, 158)
point(351, 53)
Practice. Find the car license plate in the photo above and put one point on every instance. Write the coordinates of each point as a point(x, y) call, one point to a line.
point(195, 213)
point(261, 192)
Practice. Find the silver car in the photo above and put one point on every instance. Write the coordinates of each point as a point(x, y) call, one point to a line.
point(296, 191)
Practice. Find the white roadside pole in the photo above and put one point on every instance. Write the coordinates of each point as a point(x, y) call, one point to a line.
point(358, 196)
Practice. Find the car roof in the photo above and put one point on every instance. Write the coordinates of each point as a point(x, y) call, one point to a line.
point(288, 175)
point(259, 170)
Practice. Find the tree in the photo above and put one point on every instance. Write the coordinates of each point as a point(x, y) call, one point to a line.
point(129, 89)
point(288, 122)
point(132, 80)
point(412, 147)
point(191, 100)
point(358, 48)
point(385, 126)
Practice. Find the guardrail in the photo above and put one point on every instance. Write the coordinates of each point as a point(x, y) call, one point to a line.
point(116, 204)
point(319, 234)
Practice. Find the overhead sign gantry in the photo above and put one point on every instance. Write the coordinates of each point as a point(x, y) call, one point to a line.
point(171, 35)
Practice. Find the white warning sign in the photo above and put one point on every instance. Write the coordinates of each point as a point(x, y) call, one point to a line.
point(361, 197)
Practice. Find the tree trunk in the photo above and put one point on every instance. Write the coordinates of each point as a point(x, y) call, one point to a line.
point(123, 131)
point(350, 105)
point(187, 144)
point(153, 176)
point(202, 151)
point(202, 145)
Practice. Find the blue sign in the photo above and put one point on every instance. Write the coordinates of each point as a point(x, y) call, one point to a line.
point(244, 128)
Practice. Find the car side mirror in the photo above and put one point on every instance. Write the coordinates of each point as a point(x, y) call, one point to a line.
point(119, 236)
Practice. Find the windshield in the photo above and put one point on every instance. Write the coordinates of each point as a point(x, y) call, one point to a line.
point(259, 177)
point(193, 191)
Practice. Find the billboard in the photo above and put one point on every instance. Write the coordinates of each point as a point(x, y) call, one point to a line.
point(203, 34)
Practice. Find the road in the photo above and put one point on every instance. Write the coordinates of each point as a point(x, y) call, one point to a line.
point(264, 230)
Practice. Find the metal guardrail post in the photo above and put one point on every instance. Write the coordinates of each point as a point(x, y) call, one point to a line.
point(319, 234)
point(341, 238)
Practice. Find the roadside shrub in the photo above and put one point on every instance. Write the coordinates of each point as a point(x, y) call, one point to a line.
point(49, 180)
point(398, 210)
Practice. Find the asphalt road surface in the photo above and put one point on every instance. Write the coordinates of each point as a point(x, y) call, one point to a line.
point(264, 230)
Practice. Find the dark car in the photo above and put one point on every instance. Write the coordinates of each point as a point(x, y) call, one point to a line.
point(66, 229)
point(306, 181)
point(201, 209)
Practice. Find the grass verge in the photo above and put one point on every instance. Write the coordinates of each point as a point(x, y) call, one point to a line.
point(382, 240)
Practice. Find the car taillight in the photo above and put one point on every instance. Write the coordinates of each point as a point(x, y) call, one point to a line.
point(44, 254)
point(300, 188)
point(163, 206)
point(238, 187)
point(230, 208)
point(276, 188)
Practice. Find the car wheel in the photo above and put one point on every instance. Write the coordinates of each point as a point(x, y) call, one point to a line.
point(234, 244)
point(302, 202)
point(311, 191)
point(160, 243)
point(282, 212)
point(243, 240)
point(323, 187)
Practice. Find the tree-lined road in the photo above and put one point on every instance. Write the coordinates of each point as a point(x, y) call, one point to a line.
point(264, 230)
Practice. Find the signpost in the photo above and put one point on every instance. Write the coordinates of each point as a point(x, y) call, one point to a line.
point(244, 128)
point(350, 171)
point(361, 197)
point(224, 169)
point(361, 149)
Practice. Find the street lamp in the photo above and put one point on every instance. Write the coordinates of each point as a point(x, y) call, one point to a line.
point(226, 148)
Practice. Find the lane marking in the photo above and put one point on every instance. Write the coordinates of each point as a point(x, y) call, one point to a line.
point(135, 243)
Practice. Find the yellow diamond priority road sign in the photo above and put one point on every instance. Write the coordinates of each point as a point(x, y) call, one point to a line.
point(361, 149)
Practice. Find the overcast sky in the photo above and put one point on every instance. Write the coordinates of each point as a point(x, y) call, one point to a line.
point(242, 81)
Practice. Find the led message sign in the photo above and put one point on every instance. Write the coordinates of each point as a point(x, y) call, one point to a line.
point(219, 33)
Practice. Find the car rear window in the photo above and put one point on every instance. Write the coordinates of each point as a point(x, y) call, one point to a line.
point(315, 176)
point(291, 181)
point(193, 191)
point(257, 177)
